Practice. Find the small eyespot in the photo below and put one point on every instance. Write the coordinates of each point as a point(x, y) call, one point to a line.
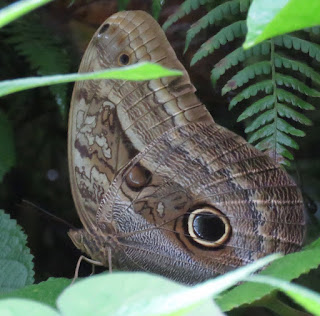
point(138, 177)
point(209, 227)
point(104, 28)
point(123, 59)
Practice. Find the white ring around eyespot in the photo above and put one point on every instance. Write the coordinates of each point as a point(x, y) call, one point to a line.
point(204, 242)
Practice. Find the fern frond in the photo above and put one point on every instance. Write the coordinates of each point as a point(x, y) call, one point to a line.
point(43, 50)
point(156, 8)
point(288, 81)
point(281, 61)
point(289, 41)
point(256, 107)
point(252, 90)
point(244, 75)
point(287, 128)
point(262, 119)
point(237, 56)
point(185, 8)
point(227, 34)
point(262, 133)
point(284, 111)
point(283, 95)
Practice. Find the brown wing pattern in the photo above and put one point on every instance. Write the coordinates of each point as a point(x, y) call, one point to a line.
point(111, 120)
point(201, 164)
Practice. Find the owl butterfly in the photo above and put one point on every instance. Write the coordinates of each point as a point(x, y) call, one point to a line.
point(156, 181)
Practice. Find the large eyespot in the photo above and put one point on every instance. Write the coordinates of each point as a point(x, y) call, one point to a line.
point(209, 227)
point(123, 59)
point(103, 28)
point(138, 177)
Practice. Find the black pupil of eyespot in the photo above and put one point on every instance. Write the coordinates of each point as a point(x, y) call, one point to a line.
point(124, 59)
point(208, 226)
point(104, 28)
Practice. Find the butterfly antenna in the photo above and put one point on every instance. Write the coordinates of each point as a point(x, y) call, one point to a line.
point(50, 215)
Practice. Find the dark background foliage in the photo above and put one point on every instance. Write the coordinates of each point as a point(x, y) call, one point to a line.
point(39, 120)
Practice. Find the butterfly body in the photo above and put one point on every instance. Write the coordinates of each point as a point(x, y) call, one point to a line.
point(157, 181)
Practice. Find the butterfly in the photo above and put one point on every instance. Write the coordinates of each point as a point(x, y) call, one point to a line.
point(157, 184)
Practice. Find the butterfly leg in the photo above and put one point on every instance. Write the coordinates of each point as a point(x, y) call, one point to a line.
point(93, 262)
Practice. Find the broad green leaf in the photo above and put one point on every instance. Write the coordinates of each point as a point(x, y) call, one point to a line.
point(19, 307)
point(308, 299)
point(16, 266)
point(19, 8)
point(141, 71)
point(287, 268)
point(45, 292)
point(146, 294)
point(7, 148)
point(267, 19)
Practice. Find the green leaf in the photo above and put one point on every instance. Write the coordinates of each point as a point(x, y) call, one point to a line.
point(284, 111)
point(283, 62)
point(266, 86)
point(225, 35)
point(237, 56)
point(245, 74)
point(156, 8)
point(220, 12)
point(19, 8)
point(285, 127)
point(286, 140)
point(261, 133)
point(296, 84)
point(186, 7)
point(7, 149)
point(145, 294)
point(262, 119)
point(141, 71)
point(45, 292)
point(16, 266)
point(267, 19)
point(265, 103)
point(289, 41)
point(18, 307)
point(308, 299)
point(283, 95)
point(287, 268)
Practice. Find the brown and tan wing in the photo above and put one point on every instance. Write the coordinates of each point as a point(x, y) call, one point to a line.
point(112, 120)
point(200, 201)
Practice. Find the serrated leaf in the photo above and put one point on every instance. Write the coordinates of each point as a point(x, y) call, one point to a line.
point(244, 75)
point(186, 7)
point(287, 268)
point(289, 97)
point(256, 107)
point(237, 56)
point(285, 127)
point(284, 151)
point(284, 62)
point(286, 140)
point(261, 120)
point(284, 111)
point(290, 41)
point(266, 86)
point(227, 34)
point(296, 84)
point(217, 14)
point(262, 132)
point(7, 149)
point(16, 266)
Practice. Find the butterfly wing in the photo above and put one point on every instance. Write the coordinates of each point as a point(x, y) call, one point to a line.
point(154, 205)
point(111, 121)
